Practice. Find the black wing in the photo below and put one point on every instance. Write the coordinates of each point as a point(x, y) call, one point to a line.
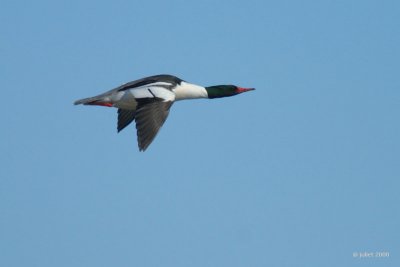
point(150, 116)
point(125, 117)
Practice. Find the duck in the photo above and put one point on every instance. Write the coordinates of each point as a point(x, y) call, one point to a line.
point(147, 101)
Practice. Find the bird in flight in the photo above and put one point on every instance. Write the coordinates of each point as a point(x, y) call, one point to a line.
point(148, 101)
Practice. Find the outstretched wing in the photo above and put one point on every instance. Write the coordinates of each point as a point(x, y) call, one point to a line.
point(125, 117)
point(151, 114)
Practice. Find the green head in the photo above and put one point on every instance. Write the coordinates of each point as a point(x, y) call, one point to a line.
point(225, 90)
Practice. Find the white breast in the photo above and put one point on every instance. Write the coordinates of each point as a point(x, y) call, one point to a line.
point(189, 91)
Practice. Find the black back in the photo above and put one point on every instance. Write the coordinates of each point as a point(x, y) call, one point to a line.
point(152, 79)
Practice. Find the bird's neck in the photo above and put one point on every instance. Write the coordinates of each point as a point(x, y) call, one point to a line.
point(187, 90)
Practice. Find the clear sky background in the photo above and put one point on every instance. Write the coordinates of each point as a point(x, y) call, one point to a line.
point(304, 171)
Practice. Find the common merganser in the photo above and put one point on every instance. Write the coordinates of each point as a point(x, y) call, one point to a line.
point(148, 100)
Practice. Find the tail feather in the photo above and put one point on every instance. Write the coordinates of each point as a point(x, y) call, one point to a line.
point(87, 101)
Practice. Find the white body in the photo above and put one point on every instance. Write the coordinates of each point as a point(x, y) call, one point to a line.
point(126, 99)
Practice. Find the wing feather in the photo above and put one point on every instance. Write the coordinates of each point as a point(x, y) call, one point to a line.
point(150, 116)
point(125, 117)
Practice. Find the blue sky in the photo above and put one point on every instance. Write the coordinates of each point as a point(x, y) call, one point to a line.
point(304, 171)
